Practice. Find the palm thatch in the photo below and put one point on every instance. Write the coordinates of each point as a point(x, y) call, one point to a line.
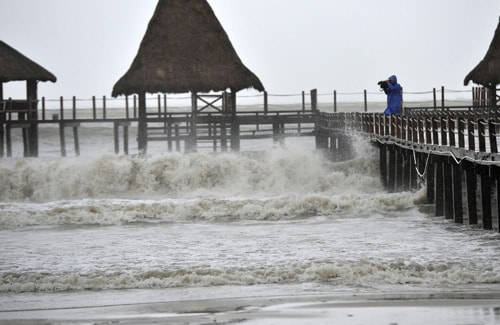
point(185, 49)
point(16, 67)
point(487, 72)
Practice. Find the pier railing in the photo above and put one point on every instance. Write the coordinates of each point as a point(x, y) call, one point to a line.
point(460, 129)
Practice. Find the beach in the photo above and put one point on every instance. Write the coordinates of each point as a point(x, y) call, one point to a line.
point(402, 308)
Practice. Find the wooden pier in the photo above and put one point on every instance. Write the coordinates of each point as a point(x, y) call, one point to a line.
point(453, 152)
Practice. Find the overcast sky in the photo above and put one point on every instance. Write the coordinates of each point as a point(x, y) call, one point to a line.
point(291, 45)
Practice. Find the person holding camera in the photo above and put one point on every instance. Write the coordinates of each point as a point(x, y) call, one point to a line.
point(394, 94)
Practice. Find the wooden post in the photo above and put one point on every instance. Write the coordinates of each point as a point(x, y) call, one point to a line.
point(420, 121)
point(314, 100)
point(471, 183)
point(458, 216)
point(159, 105)
point(223, 138)
point(481, 126)
point(192, 142)
point(495, 173)
point(304, 101)
point(32, 137)
point(8, 140)
point(235, 125)
point(470, 133)
point(434, 98)
point(74, 108)
point(461, 132)
point(406, 181)
point(177, 142)
point(435, 133)
point(442, 98)
point(43, 108)
point(135, 105)
point(428, 130)
point(125, 138)
point(493, 136)
point(165, 104)
point(94, 109)
point(451, 131)
point(485, 196)
point(411, 170)
point(265, 102)
point(127, 114)
point(439, 179)
point(391, 184)
point(76, 140)
point(335, 101)
point(62, 139)
point(276, 131)
point(444, 134)
point(104, 107)
point(2, 121)
point(400, 164)
point(366, 100)
point(448, 188)
point(142, 132)
point(116, 138)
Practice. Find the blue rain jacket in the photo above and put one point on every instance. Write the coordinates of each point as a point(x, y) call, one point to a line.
point(394, 96)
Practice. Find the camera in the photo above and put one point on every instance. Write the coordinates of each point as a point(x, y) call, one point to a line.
point(383, 84)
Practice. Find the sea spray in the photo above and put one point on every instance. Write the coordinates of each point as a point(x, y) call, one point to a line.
point(274, 173)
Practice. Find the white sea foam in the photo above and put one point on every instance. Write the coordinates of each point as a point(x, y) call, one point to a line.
point(279, 172)
point(285, 217)
point(362, 273)
point(112, 212)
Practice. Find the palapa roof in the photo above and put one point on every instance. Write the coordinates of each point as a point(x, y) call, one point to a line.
point(185, 49)
point(14, 66)
point(487, 72)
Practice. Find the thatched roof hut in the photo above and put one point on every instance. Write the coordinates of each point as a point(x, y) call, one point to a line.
point(487, 72)
point(14, 66)
point(185, 49)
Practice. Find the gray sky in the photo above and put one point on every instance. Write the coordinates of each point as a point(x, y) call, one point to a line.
point(291, 45)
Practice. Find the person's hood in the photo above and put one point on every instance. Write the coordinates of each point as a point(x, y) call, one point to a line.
point(394, 79)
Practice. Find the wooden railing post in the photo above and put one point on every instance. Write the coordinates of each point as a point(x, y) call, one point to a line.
point(493, 136)
point(314, 100)
point(265, 102)
point(470, 135)
point(481, 127)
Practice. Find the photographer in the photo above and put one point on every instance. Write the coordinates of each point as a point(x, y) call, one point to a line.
point(394, 94)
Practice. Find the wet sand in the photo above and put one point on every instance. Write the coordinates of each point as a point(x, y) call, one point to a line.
point(443, 309)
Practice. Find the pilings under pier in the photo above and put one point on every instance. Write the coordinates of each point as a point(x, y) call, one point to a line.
point(464, 190)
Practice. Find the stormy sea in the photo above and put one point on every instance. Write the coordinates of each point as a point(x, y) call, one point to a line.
point(272, 235)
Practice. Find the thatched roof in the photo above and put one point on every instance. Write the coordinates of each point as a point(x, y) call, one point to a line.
point(487, 72)
point(185, 49)
point(16, 67)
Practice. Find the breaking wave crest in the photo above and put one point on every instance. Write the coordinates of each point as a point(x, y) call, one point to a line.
point(112, 212)
point(362, 273)
point(279, 172)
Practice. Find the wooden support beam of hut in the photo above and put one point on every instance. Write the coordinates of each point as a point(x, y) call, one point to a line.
point(62, 137)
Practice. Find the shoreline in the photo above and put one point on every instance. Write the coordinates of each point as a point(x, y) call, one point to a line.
point(364, 308)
